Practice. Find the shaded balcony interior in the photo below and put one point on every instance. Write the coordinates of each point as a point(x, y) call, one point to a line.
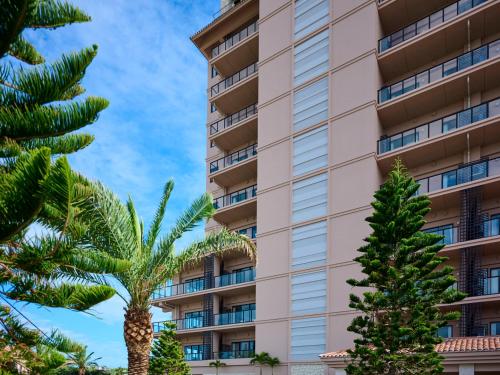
point(237, 167)
point(440, 36)
point(237, 205)
point(236, 129)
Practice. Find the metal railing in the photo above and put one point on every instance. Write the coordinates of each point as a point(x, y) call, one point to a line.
point(188, 287)
point(250, 232)
point(235, 38)
point(232, 80)
point(467, 173)
point(440, 71)
point(235, 317)
point(228, 7)
point(487, 228)
point(449, 233)
point(491, 285)
point(440, 126)
point(233, 119)
point(233, 158)
point(234, 278)
point(194, 356)
point(235, 197)
point(435, 19)
point(234, 354)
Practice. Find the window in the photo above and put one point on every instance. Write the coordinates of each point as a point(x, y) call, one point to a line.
point(310, 105)
point(193, 352)
point(310, 15)
point(194, 285)
point(308, 338)
point(309, 293)
point(193, 319)
point(213, 108)
point(447, 231)
point(243, 347)
point(495, 329)
point(310, 151)
point(309, 245)
point(215, 73)
point(445, 332)
point(311, 58)
point(309, 198)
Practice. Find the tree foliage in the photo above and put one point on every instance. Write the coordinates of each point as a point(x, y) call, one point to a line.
point(167, 356)
point(399, 314)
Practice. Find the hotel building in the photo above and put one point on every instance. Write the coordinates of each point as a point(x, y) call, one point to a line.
point(309, 104)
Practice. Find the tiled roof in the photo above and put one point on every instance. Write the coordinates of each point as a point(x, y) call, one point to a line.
point(452, 345)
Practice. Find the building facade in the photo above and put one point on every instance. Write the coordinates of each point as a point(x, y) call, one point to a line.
point(309, 104)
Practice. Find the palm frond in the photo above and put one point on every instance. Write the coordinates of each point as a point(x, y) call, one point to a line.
point(135, 223)
point(155, 227)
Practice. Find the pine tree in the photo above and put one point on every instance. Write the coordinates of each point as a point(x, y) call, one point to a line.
point(167, 356)
point(399, 317)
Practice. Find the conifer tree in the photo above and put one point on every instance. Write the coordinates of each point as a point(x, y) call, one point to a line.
point(167, 356)
point(399, 316)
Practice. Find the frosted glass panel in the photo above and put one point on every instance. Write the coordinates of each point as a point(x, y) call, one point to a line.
point(309, 293)
point(310, 15)
point(311, 58)
point(310, 105)
point(309, 245)
point(307, 338)
point(310, 151)
point(309, 198)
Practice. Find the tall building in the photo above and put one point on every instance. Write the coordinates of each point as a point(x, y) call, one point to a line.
point(309, 104)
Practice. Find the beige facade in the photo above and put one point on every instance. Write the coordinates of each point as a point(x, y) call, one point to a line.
point(309, 103)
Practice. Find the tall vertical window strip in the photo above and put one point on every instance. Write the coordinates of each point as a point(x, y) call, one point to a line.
point(310, 151)
point(309, 244)
point(308, 338)
point(309, 293)
point(309, 198)
point(311, 58)
point(310, 105)
point(310, 15)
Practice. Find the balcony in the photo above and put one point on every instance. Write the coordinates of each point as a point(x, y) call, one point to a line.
point(234, 317)
point(194, 286)
point(235, 278)
point(250, 232)
point(236, 129)
point(451, 234)
point(237, 167)
point(440, 34)
point(232, 4)
point(236, 205)
point(234, 354)
point(440, 85)
point(237, 50)
point(442, 137)
point(236, 91)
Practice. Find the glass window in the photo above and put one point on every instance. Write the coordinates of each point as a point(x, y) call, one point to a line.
point(310, 105)
point(309, 198)
point(309, 293)
point(193, 319)
point(310, 151)
point(445, 332)
point(215, 73)
point(495, 328)
point(311, 58)
point(309, 244)
point(308, 338)
point(310, 15)
point(193, 352)
point(213, 108)
point(449, 179)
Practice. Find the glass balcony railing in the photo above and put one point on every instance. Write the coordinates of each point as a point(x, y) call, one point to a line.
point(235, 354)
point(235, 317)
point(181, 324)
point(468, 173)
point(234, 278)
point(233, 158)
point(235, 39)
point(232, 80)
point(233, 119)
point(451, 234)
point(440, 71)
point(441, 126)
point(194, 356)
point(250, 232)
point(191, 286)
point(435, 19)
point(235, 197)
point(491, 285)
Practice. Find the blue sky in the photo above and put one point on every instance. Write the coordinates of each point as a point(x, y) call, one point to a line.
point(154, 129)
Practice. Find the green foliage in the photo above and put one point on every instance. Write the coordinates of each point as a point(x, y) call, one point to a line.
point(399, 316)
point(264, 359)
point(167, 356)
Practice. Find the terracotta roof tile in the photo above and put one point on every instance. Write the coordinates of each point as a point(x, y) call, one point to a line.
point(452, 345)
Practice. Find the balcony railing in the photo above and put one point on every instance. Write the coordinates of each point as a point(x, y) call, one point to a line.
point(228, 7)
point(440, 71)
point(468, 173)
point(235, 197)
point(427, 23)
point(441, 126)
point(235, 317)
point(451, 234)
point(234, 354)
point(235, 278)
point(195, 357)
point(250, 232)
point(235, 38)
point(232, 80)
point(233, 158)
point(177, 289)
point(491, 285)
point(233, 119)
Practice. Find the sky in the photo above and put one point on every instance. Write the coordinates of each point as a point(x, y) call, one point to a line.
point(153, 130)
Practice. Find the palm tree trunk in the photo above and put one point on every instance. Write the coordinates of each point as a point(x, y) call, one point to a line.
point(138, 333)
point(81, 371)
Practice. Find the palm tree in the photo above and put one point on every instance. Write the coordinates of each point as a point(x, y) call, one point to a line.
point(217, 364)
point(83, 361)
point(273, 362)
point(115, 227)
point(260, 359)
